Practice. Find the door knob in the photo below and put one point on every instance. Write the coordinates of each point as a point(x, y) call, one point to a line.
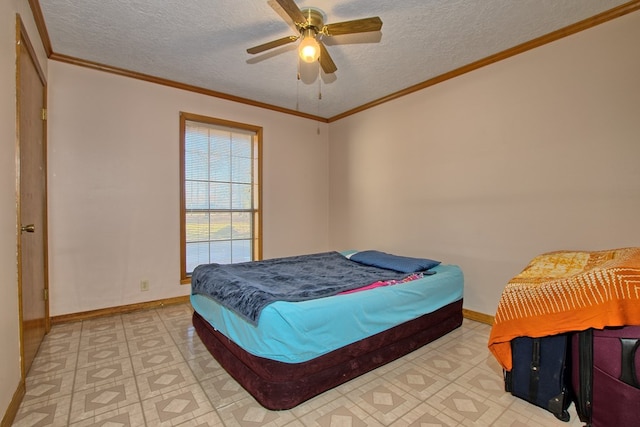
point(28, 228)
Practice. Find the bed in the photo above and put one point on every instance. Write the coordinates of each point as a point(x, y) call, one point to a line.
point(294, 350)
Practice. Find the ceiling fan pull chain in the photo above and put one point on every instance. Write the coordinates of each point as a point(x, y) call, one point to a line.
point(319, 85)
point(319, 94)
point(298, 88)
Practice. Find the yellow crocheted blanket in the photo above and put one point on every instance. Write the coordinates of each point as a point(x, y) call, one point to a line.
point(567, 291)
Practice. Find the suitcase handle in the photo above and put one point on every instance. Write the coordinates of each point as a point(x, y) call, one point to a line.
point(629, 349)
point(534, 377)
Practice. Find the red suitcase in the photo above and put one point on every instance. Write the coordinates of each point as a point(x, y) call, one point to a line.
point(606, 376)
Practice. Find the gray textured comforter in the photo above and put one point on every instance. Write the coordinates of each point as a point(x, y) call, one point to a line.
point(247, 288)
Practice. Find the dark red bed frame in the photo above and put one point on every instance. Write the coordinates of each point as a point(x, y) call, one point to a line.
point(278, 385)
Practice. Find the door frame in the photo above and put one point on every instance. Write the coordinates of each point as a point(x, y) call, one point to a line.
point(22, 38)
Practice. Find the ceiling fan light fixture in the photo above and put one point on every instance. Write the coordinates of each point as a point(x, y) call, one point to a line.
point(309, 49)
point(310, 24)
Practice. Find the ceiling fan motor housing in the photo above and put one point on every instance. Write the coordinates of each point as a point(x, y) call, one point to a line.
point(315, 20)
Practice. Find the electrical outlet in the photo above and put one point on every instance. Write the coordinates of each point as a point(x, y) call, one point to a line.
point(144, 285)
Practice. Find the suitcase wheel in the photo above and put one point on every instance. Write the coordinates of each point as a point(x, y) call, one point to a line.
point(563, 416)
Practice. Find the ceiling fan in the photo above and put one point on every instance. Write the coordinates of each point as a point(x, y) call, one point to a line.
point(309, 22)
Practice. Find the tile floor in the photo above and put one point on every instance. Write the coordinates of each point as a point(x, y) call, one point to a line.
point(149, 368)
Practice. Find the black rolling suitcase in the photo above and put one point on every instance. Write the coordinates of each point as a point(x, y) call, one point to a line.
point(606, 376)
point(539, 373)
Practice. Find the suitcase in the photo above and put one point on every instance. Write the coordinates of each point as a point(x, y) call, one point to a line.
point(539, 373)
point(606, 376)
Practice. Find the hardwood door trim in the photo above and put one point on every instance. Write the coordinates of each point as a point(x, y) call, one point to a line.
point(22, 40)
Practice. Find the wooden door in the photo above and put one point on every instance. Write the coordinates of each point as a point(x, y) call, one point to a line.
point(32, 201)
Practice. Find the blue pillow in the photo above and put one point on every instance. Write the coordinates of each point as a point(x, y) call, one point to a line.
point(402, 264)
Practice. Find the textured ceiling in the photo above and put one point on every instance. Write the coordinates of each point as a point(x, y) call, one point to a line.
point(203, 43)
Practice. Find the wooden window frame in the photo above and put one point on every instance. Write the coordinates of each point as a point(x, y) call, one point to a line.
point(257, 212)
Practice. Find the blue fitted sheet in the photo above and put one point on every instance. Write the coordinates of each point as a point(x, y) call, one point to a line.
point(295, 332)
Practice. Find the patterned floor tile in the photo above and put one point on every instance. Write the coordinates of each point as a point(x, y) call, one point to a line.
point(185, 333)
point(513, 419)
point(338, 413)
point(191, 347)
point(487, 384)
point(139, 318)
point(53, 413)
point(174, 312)
point(358, 382)
point(443, 364)
point(538, 416)
point(146, 344)
point(210, 419)
point(176, 407)
point(156, 359)
point(465, 406)
point(419, 352)
point(205, 367)
point(481, 382)
point(145, 330)
point(51, 365)
point(102, 325)
point(181, 323)
point(128, 416)
point(248, 413)
point(491, 364)
point(465, 351)
point(42, 389)
point(425, 416)
point(316, 403)
point(102, 339)
point(383, 400)
point(58, 348)
point(102, 354)
point(102, 374)
point(416, 380)
point(223, 390)
point(164, 380)
point(64, 332)
point(96, 401)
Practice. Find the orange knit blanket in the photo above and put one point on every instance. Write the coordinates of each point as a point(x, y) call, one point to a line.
point(567, 291)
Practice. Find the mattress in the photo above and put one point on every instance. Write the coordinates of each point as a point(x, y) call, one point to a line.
point(296, 332)
point(277, 385)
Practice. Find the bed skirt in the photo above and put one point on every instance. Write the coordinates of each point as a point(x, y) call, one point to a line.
point(278, 385)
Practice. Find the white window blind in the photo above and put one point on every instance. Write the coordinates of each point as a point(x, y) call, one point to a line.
point(220, 194)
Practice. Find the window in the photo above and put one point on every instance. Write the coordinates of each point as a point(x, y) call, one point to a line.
point(220, 192)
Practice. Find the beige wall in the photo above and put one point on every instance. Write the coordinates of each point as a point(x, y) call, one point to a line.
point(9, 327)
point(114, 186)
point(536, 153)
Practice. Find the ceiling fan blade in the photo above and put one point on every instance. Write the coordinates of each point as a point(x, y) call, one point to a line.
point(327, 64)
point(293, 11)
point(357, 26)
point(272, 44)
